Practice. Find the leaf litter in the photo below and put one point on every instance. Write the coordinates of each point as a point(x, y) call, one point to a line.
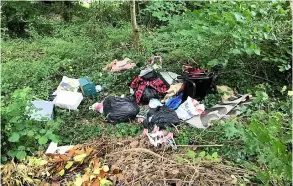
point(126, 161)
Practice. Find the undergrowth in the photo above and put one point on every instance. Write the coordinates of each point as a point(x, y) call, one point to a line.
point(251, 40)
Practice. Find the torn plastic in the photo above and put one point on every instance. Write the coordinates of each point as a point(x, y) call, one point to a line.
point(54, 149)
point(99, 88)
point(97, 107)
point(218, 111)
point(154, 103)
point(158, 136)
point(189, 109)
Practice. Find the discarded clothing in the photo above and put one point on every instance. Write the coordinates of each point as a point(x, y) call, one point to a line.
point(68, 100)
point(43, 110)
point(162, 117)
point(174, 103)
point(172, 91)
point(189, 109)
point(117, 66)
point(140, 85)
point(117, 109)
point(192, 70)
point(217, 112)
point(158, 136)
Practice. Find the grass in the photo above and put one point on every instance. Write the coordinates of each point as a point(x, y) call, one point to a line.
point(74, 51)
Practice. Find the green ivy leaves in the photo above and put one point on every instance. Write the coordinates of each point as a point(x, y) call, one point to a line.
point(14, 137)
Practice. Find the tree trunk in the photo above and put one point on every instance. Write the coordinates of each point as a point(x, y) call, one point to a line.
point(135, 30)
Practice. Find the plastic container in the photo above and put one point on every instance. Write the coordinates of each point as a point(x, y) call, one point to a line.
point(68, 100)
point(197, 86)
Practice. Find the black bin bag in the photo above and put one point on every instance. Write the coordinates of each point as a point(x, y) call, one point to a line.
point(148, 94)
point(117, 109)
point(162, 117)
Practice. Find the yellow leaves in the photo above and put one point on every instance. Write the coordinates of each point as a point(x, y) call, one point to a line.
point(92, 177)
point(97, 171)
point(61, 173)
point(79, 158)
point(105, 168)
point(290, 93)
point(105, 182)
point(43, 162)
point(78, 180)
point(69, 164)
point(37, 162)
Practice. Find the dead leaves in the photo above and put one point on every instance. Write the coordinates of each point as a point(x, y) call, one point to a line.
point(79, 157)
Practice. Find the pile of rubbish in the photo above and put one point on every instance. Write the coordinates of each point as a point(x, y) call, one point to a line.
point(158, 98)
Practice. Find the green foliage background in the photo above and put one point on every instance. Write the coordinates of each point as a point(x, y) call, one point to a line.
point(43, 41)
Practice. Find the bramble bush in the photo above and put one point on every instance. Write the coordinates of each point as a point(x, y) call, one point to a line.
point(21, 135)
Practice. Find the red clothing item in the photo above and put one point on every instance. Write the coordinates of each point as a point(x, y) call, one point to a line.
point(140, 84)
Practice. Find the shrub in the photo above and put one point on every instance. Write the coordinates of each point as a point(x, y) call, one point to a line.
point(19, 134)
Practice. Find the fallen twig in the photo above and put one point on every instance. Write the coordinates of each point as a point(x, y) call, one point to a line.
point(200, 145)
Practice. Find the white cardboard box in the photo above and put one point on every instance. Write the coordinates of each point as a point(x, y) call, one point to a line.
point(68, 100)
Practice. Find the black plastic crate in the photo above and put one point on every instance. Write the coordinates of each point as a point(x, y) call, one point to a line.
point(198, 85)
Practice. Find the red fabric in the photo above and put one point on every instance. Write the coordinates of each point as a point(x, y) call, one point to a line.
point(192, 70)
point(140, 84)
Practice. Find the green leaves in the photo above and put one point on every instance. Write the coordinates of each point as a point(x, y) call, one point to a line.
point(14, 137)
point(230, 130)
point(253, 49)
point(43, 140)
point(30, 133)
point(20, 155)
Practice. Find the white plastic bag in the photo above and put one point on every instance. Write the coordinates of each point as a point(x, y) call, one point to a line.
point(154, 103)
point(189, 109)
point(68, 100)
point(97, 106)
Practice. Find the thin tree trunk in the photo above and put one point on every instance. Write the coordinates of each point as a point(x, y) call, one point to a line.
point(134, 26)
